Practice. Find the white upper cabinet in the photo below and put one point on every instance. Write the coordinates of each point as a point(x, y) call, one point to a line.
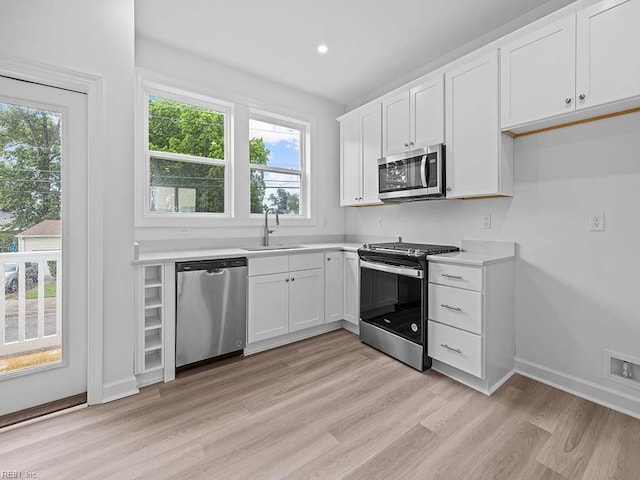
point(479, 159)
point(538, 74)
point(360, 149)
point(585, 60)
point(608, 56)
point(415, 118)
point(395, 121)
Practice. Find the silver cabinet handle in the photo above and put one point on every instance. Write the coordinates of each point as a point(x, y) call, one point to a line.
point(448, 189)
point(328, 259)
point(457, 309)
point(455, 277)
point(582, 96)
point(567, 100)
point(293, 279)
point(406, 144)
point(411, 143)
point(286, 280)
point(456, 350)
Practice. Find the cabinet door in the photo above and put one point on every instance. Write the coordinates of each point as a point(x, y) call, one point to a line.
point(426, 107)
point(371, 151)
point(268, 302)
point(306, 299)
point(608, 60)
point(472, 129)
point(349, 162)
point(538, 74)
point(351, 288)
point(333, 286)
point(395, 123)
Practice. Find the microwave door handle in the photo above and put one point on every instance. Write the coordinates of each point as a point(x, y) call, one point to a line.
point(423, 171)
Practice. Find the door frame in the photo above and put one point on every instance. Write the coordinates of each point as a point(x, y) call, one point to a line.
point(93, 87)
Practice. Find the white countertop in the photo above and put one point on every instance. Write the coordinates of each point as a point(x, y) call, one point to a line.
point(202, 254)
point(477, 259)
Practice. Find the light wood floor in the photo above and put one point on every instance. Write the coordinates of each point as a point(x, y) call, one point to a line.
point(330, 407)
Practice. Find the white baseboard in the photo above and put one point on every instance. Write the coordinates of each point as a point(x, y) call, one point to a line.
point(291, 337)
point(618, 401)
point(148, 378)
point(115, 390)
point(351, 327)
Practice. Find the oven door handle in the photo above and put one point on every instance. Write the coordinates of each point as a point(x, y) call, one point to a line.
point(383, 267)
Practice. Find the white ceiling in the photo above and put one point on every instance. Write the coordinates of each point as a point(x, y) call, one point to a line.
point(371, 42)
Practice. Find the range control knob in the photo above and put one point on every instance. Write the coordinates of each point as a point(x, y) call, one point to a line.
point(414, 327)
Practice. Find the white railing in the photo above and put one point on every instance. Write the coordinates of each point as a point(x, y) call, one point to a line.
point(17, 312)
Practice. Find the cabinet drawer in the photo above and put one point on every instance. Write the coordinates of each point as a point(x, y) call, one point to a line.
point(267, 265)
point(456, 276)
point(306, 261)
point(462, 350)
point(456, 307)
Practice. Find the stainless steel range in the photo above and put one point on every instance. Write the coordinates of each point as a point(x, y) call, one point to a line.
point(393, 299)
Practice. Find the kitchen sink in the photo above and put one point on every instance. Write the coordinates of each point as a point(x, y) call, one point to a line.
point(273, 247)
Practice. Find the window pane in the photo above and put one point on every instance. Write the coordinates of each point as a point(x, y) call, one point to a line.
point(186, 187)
point(279, 190)
point(182, 128)
point(274, 145)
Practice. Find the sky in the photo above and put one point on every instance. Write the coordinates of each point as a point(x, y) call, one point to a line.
point(284, 147)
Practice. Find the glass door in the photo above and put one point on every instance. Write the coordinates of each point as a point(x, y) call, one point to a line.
point(43, 248)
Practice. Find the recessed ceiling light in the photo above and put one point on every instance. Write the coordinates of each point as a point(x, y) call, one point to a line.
point(322, 48)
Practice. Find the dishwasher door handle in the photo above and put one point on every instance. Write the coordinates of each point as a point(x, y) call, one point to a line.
point(215, 272)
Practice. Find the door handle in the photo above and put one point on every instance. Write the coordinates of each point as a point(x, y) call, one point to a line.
point(215, 272)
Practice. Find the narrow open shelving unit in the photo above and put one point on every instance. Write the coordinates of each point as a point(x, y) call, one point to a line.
point(152, 329)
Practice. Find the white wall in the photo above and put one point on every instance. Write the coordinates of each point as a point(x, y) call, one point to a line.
point(576, 290)
point(203, 76)
point(95, 37)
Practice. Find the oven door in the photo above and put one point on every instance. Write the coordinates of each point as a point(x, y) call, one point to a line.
point(392, 298)
point(393, 303)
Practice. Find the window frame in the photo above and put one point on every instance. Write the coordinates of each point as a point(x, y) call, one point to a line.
point(305, 160)
point(190, 98)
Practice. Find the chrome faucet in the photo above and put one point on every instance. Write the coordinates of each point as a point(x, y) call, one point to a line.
point(266, 223)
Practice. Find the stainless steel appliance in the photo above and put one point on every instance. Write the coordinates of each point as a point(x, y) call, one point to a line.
point(413, 175)
point(211, 309)
point(393, 299)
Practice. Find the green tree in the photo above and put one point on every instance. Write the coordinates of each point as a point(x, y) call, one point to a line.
point(29, 165)
point(258, 155)
point(181, 128)
point(285, 202)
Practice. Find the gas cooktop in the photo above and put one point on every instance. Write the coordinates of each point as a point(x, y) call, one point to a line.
point(407, 249)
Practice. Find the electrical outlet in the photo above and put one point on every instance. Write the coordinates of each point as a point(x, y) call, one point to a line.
point(486, 221)
point(596, 222)
point(184, 231)
point(379, 222)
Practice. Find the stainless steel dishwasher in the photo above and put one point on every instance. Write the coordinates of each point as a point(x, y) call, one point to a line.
point(211, 309)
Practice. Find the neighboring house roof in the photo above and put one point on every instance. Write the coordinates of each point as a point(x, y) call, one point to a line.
point(46, 228)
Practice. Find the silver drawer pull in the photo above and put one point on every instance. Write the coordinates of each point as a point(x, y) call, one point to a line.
point(455, 277)
point(457, 350)
point(457, 309)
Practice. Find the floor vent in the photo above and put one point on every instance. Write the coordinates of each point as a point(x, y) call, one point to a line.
point(622, 368)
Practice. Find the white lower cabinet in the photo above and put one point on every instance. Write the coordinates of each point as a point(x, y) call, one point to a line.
point(288, 299)
point(268, 312)
point(333, 286)
point(471, 326)
point(351, 288)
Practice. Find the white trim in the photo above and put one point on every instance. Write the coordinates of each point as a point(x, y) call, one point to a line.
point(618, 401)
point(281, 340)
point(123, 388)
point(142, 188)
point(350, 327)
point(92, 85)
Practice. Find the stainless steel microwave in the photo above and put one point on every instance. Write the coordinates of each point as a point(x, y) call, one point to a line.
point(413, 175)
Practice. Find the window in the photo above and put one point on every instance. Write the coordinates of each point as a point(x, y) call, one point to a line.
point(278, 158)
point(187, 155)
